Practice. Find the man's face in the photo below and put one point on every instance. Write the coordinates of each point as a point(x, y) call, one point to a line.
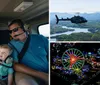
point(3, 53)
point(15, 31)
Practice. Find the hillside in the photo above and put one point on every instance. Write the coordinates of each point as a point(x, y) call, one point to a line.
point(93, 25)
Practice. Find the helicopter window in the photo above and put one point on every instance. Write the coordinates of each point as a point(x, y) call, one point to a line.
point(44, 30)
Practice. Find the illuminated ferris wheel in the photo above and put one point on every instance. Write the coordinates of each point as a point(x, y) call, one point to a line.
point(73, 59)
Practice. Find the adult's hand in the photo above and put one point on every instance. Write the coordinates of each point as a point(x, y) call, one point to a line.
point(24, 69)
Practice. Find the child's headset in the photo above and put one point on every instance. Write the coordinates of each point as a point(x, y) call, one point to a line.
point(8, 60)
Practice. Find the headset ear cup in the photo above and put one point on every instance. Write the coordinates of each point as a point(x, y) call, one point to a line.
point(23, 28)
point(8, 60)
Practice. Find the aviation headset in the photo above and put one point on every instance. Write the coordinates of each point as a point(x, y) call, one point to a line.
point(19, 22)
point(8, 60)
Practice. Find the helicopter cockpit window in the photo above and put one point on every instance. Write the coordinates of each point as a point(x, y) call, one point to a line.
point(44, 30)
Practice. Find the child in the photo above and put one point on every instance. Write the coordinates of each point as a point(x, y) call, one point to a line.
point(6, 70)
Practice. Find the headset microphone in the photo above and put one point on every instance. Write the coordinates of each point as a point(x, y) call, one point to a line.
point(19, 34)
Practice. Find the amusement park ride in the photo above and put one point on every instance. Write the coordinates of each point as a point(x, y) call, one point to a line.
point(75, 19)
point(73, 61)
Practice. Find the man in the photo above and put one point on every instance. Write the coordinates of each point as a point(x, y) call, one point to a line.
point(33, 67)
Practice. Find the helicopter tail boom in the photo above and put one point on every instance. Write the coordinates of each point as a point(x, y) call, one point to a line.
point(57, 19)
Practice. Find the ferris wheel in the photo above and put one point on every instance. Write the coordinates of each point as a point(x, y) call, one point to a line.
point(73, 59)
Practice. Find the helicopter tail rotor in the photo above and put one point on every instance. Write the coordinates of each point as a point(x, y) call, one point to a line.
point(57, 19)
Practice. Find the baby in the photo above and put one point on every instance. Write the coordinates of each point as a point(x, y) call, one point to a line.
point(6, 70)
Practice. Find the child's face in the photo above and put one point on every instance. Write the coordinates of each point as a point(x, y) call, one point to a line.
point(3, 53)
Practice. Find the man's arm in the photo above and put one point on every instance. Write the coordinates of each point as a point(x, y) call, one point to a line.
point(24, 69)
point(10, 79)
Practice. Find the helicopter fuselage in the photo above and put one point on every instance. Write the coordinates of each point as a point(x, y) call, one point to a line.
point(75, 19)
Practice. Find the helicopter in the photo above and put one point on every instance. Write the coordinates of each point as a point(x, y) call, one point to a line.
point(75, 19)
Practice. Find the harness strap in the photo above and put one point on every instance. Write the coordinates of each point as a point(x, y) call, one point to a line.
point(23, 51)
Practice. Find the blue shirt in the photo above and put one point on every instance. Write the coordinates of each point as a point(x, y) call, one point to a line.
point(35, 56)
point(5, 71)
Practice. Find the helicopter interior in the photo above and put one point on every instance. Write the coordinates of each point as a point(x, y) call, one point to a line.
point(32, 12)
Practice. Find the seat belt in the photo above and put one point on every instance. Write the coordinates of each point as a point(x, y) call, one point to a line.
point(23, 51)
point(21, 54)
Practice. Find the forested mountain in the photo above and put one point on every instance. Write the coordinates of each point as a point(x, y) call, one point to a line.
point(93, 25)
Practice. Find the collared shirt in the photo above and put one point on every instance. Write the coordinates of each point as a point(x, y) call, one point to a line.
point(35, 56)
point(5, 71)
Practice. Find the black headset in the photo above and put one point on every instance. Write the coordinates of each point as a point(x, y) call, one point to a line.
point(19, 22)
point(8, 60)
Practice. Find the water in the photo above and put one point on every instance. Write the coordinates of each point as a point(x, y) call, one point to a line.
point(76, 30)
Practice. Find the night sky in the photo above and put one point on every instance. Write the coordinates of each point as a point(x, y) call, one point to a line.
point(58, 49)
